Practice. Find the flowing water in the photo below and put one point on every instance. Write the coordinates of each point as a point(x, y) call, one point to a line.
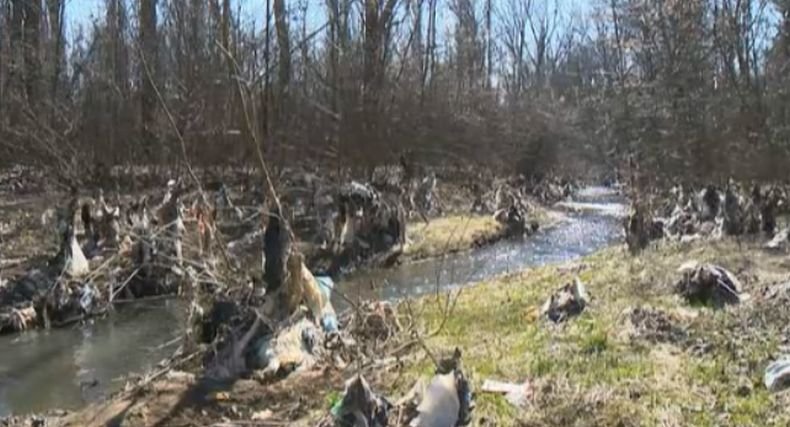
point(593, 222)
point(66, 368)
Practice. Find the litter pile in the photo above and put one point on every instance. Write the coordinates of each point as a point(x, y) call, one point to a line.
point(708, 283)
point(370, 226)
point(568, 301)
point(552, 189)
point(290, 326)
point(507, 201)
point(105, 255)
point(777, 374)
point(445, 401)
point(712, 212)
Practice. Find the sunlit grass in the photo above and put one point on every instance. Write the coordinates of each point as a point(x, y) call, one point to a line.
point(448, 234)
point(584, 371)
point(460, 232)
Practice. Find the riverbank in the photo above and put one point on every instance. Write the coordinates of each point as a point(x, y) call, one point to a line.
point(672, 364)
point(462, 232)
point(686, 366)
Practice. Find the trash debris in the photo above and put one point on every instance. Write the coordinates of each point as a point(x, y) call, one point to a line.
point(532, 314)
point(329, 322)
point(180, 376)
point(709, 283)
point(447, 401)
point(70, 256)
point(292, 347)
point(779, 241)
point(710, 201)
point(17, 319)
point(713, 213)
point(519, 395)
point(771, 203)
point(733, 210)
point(313, 297)
point(89, 293)
point(220, 396)
point(229, 362)
point(293, 290)
point(326, 285)
point(360, 406)
point(570, 300)
point(777, 374)
point(263, 415)
point(276, 247)
point(781, 290)
point(440, 404)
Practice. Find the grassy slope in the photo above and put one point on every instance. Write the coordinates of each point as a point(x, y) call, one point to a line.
point(588, 372)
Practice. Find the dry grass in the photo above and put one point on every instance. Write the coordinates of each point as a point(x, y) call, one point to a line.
point(459, 232)
point(448, 234)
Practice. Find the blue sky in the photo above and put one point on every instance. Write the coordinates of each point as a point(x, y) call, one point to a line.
point(81, 10)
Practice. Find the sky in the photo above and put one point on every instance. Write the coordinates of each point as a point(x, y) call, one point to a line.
point(79, 11)
point(83, 11)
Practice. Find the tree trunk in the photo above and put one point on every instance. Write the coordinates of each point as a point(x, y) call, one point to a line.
point(56, 9)
point(284, 45)
point(32, 52)
point(148, 98)
point(489, 46)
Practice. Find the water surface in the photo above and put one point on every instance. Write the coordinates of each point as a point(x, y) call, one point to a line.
point(66, 368)
point(579, 235)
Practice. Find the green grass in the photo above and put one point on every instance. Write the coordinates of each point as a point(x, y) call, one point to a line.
point(586, 372)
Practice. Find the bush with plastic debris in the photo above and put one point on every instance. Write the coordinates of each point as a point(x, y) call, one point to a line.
point(709, 284)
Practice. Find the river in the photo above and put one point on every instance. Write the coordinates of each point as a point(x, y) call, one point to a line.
point(67, 368)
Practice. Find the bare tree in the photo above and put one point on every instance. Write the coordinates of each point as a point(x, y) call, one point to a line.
point(147, 74)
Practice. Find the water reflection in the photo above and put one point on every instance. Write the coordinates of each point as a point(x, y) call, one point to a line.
point(65, 368)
